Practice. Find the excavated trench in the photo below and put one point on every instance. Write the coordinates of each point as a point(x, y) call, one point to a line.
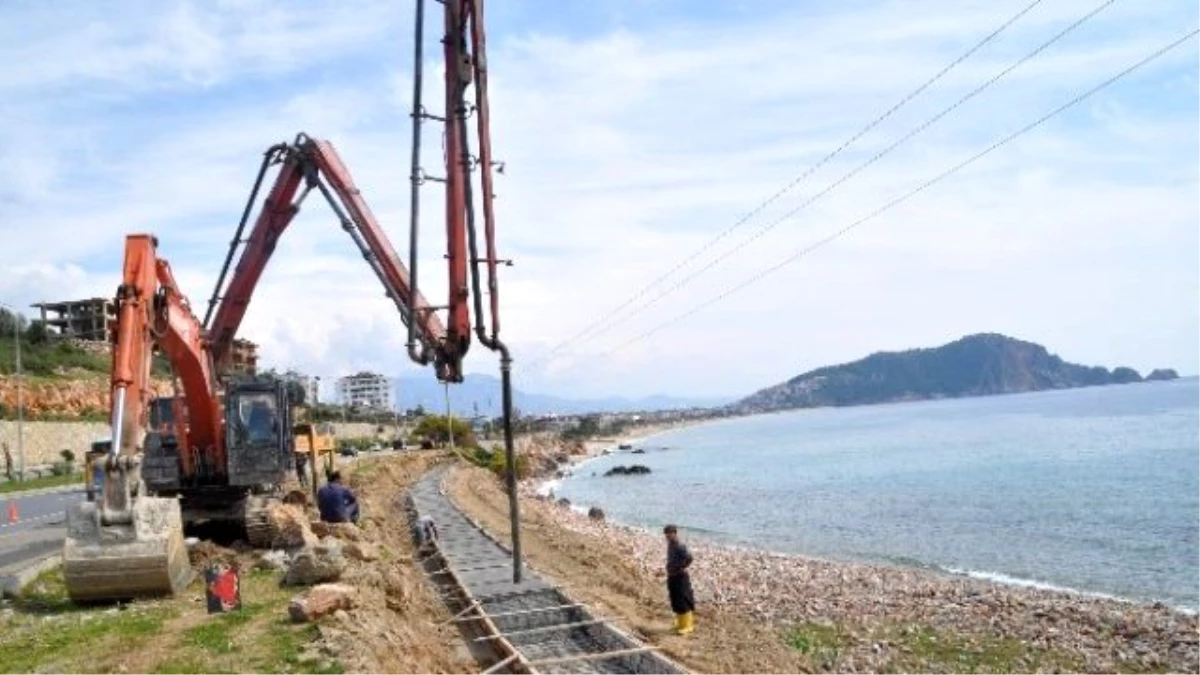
point(530, 627)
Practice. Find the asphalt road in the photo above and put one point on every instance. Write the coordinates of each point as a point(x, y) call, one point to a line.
point(39, 530)
point(41, 524)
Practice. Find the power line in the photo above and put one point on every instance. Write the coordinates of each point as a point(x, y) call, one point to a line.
point(908, 195)
point(859, 169)
point(796, 181)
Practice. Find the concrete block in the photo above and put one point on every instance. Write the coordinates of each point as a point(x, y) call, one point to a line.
point(11, 585)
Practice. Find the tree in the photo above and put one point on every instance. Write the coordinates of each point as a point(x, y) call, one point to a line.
point(435, 428)
point(7, 321)
point(588, 427)
point(295, 390)
point(36, 333)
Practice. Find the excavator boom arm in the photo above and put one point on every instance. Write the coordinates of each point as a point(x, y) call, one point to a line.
point(316, 165)
point(128, 543)
point(152, 310)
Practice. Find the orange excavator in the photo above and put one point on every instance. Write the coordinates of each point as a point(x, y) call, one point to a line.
point(220, 448)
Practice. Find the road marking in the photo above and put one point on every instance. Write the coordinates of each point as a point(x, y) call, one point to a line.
point(24, 521)
point(75, 487)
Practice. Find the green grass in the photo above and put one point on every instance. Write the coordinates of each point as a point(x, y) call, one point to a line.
point(39, 483)
point(287, 643)
point(50, 358)
point(52, 634)
point(923, 648)
point(48, 633)
point(216, 636)
point(259, 637)
point(820, 643)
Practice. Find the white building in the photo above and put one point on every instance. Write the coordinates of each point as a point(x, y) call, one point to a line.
point(365, 390)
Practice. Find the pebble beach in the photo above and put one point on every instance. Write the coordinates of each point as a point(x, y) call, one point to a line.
point(874, 609)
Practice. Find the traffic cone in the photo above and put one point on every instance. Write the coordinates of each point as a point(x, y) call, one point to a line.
point(12, 512)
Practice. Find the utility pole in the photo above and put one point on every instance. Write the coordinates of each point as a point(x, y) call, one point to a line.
point(20, 403)
point(449, 419)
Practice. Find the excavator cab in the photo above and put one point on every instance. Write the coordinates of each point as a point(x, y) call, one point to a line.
point(258, 433)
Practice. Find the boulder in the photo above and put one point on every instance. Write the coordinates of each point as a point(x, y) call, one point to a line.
point(319, 528)
point(273, 560)
point(635, 470)
point(321, 601)
point(361, 550)
point(288, 527)
point(346, 531)
point(316, 564)
point(563, 502)
point(297, 497)
point(596, 513)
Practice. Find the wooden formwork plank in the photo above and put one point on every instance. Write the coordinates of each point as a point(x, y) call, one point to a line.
point(543, 629)
point(589, 657)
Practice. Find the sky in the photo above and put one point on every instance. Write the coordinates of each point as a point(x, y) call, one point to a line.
point(634, 132)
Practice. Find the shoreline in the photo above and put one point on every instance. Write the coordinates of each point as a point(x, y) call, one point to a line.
point(988, 577)
point(772, 612)
point(543, 488)
point(542, 484)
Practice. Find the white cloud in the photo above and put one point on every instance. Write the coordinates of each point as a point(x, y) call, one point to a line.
point(627, 147)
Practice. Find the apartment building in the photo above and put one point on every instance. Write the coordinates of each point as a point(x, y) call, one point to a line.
point(366, 390)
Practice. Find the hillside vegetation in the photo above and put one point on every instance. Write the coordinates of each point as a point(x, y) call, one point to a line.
point(975, 365)
point(61, 379)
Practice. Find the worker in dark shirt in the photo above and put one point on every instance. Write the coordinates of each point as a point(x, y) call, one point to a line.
point(336, 502)
point(679, 584)
point(425, 530)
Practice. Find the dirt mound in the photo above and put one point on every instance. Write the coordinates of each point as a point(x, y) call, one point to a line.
point(396, 623)
point(205, 553)
point(288, 527)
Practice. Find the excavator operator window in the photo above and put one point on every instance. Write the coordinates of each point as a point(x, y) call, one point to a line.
point(259, 418)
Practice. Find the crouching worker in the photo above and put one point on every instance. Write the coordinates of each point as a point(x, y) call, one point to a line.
point(336, 502)
point(679, 584)
point(425, 531)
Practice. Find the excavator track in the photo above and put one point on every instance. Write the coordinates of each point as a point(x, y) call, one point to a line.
point(145, 557)
point(258, 529)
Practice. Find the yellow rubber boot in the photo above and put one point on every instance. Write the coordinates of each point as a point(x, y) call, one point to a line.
point(687, 624)
point(679, 624)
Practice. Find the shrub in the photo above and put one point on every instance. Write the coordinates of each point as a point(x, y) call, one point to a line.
point(498, 465)
point(438, 428)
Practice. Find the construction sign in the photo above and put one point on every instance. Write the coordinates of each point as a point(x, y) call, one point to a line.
point(223, 588)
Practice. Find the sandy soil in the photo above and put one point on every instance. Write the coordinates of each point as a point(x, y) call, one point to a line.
point(397, 628)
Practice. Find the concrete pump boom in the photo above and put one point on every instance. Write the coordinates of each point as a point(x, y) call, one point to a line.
point(316, 165)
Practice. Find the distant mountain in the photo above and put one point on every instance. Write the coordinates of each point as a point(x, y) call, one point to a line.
point(975, 365)
point(482, 392)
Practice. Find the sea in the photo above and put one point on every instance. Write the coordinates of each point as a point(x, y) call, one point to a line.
point(1093, 490)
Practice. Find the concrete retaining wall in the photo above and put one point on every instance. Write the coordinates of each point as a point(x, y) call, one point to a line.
point(45, 440)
